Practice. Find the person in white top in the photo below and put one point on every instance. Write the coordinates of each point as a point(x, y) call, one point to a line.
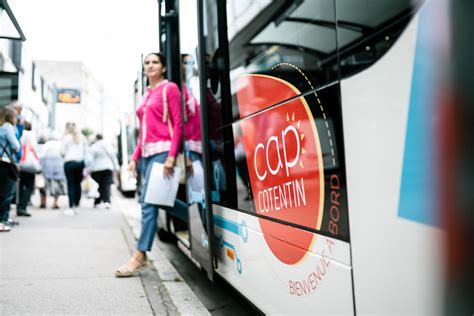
point(103, 163)
point(29, 166)
point(74, 151)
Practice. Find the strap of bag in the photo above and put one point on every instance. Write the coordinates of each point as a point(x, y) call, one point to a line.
point(144, 122)
point(166, 118)
point(8, 154)
point(165, 104)
point(180, 157)
point(28, 150)
point(165, 110)
point(144, 131)
point(110, 157)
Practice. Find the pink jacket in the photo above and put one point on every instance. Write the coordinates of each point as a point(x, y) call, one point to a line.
point(192, 129)
point(157, 135)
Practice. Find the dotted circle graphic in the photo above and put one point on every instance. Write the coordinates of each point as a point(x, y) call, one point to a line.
point(321, 107)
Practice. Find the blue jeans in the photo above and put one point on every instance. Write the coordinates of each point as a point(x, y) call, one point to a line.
point(73, 171)
point(150, 211)
point(7, 192)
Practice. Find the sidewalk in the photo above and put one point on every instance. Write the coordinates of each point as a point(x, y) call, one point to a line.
point(55, 264)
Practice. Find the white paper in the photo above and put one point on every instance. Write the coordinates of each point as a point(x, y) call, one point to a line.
point(161, 190)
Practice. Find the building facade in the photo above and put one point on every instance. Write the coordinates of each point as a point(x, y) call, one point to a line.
point(77, 96)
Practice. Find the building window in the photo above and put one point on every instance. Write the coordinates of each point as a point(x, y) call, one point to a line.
point(44, 91)
point(33, 76)
point(8, 87)
point(15, 54)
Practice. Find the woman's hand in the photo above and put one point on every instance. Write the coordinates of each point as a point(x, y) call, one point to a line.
point(132, 167)
point(168, 170)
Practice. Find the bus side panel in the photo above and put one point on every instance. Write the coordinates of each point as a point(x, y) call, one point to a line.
point(396, 259)
point(319, 283)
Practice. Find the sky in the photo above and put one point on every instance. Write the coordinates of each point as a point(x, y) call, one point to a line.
point(108, 36)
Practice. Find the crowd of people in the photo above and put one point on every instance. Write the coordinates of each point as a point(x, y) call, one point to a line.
point(65, 160)
point(56, 167)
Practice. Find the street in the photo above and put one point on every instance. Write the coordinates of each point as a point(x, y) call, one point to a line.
point(56, 264)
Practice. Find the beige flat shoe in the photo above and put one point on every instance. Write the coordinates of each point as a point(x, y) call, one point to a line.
point(4, 228)
point(126, 271)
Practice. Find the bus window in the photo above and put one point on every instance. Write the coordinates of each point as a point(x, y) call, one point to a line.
point(277, 152)
point(200, 229)
point(217, 97)
point(364, 35)
point(288, 162)
point(282, 40)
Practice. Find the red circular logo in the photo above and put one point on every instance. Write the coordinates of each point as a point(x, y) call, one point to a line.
point(284, 162)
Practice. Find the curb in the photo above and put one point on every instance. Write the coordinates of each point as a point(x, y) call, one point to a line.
point(186, 302)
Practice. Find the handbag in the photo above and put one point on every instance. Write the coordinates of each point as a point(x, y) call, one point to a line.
point(13, 171)
point(29, 161)
point(180, 159)
point(90, 188)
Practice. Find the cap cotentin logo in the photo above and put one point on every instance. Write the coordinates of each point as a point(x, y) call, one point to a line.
point(285, 163)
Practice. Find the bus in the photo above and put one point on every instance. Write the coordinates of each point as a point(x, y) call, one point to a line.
point(126, 140)
point(318, 183)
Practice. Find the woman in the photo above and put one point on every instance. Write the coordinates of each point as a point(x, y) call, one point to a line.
point(103, 164)
point(28, 169)
point(9, 145)
point(74, 149)
point(156, 144)
point(52, 166)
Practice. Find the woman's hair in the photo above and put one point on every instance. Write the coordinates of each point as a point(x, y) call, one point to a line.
point(183, 56)
point(8, 114)
point(160, 56)
point(71, 128)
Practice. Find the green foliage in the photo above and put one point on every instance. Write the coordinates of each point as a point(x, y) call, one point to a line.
point(87, 132)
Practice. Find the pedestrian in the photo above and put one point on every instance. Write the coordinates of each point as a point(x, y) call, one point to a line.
point(9, 146)
point(52, 166)
point(19, 128)
point(102, 166)
point(157, 142)
point(74, 151)
point(29, 166)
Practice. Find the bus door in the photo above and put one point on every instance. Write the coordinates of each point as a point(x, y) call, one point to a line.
point(269, 74)
point(196, 142)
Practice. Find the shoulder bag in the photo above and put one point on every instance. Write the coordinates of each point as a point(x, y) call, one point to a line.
point(29, 161)
point(13, 171)
point(180, 160)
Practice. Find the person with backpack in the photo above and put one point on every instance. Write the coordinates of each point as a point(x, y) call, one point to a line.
point(9, 146)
